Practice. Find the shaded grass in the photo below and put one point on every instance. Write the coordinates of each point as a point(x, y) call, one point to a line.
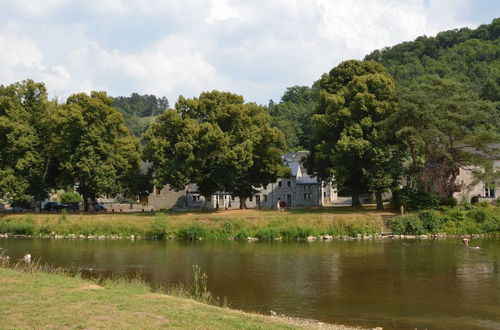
point(265, 225)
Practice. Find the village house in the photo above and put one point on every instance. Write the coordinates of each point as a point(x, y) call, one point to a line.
point(475, 190)
point(298, 190)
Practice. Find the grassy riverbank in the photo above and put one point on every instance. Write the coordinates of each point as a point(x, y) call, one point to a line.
point(264, 225)
point(453, 221)
point(41, 300)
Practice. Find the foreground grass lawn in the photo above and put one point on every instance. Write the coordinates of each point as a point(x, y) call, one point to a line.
point(40, 300)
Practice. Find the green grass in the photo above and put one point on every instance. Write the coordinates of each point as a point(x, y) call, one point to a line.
point(41, 300)
point(265, 225)
point(452, 221)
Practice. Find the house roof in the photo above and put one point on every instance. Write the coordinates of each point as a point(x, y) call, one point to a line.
point(296, 157)
point(307, 180)
point(295, 167)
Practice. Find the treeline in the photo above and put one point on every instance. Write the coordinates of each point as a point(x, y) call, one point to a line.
point(372, 126)
point(140, 110)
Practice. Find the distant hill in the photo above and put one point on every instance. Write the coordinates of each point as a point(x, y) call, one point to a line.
point(469, 56)
point(139, 111)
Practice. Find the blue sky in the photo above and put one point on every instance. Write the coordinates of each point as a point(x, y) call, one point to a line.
point(170, 48)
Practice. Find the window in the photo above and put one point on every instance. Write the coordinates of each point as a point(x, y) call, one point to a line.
point(309, 196)
point(305, 195)
point(280, 184)
point(288, 183)
point(250, 198)
point(158, 191)
point(265, 198)
point(233, 198)
point(221, 196)
point(194, 198)
point(488, 192)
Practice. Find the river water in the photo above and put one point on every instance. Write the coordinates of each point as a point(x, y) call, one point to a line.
point(387, 283)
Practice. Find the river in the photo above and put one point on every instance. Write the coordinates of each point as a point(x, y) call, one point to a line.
point(387, 283)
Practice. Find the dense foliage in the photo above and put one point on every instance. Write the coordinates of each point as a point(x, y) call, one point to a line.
point(449, 221)
point(218, 142)
point(293, 115)
point(28, 141)
point(468, 56)
point(349, 142)
point(46, 145)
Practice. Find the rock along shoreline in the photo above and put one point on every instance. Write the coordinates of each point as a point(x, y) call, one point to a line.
point(320, 238)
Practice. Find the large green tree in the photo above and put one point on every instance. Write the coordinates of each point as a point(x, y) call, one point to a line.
point(28, 138)
point(349, 143)
point(218, 142)
point(446, 127)
point(293, 115)
point(96, 152)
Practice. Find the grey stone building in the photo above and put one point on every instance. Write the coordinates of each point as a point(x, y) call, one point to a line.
point(298, 190)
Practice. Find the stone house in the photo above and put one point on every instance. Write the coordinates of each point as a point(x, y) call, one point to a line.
point(473, 188)
point(298, 190)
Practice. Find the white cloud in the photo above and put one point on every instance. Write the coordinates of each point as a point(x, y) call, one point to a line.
point(254, 48)
point(221, 11)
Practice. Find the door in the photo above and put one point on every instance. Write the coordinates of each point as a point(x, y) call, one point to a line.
point(288, 200)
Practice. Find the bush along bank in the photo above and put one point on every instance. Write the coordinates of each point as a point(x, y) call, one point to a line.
point(308, 227)
point(459, 221)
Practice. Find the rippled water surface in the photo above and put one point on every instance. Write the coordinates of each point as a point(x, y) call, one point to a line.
point(393, 284)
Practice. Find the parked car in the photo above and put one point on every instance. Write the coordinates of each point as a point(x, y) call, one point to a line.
point(55, 206)
point(100, 207)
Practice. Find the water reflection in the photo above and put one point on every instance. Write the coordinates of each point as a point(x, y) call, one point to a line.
point(435, 284)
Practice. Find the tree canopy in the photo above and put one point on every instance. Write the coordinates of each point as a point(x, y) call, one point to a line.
point(218, 142)
point(446, 127)
point(348, 143)
point(98, 154)
point(28, 140)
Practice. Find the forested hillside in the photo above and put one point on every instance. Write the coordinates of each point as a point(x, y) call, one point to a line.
point(140, 110)
point(471, 57)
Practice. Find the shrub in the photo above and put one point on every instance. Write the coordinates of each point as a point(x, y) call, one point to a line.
point(414, 200)
point(289, 233)
point(478, 215)
point(242, 235)
point(468, 227)
point(398, 225)
point(431, 220)
point(457, 215)
point(267, 234)
point(484, 204)
point(410, 225)
point(18, 226)
point(228, 227)
point(414, 226)
point(193, 232)
point(159, 227)
point(71, 197)
point(491, 224)
point(303, 233)
point(450, 202)
point(467, 206)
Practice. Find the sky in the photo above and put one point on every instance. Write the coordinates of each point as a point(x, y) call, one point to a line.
point(255, 48)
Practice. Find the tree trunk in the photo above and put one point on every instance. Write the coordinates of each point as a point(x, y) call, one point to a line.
point(380, 202)
point(243, 204)
point(355, 198)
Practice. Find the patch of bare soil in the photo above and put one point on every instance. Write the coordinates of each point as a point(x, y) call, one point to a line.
point(90, 287)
